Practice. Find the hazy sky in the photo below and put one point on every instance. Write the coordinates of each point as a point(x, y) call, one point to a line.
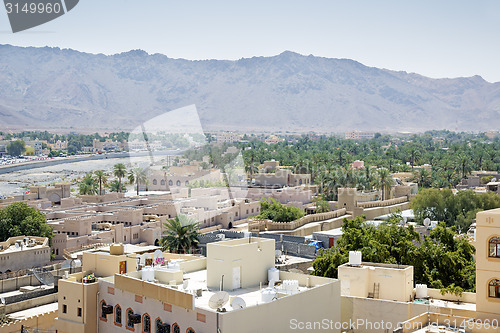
point(435, 38)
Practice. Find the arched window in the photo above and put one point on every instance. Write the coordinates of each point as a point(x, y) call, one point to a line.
point(130, 323)
point(494, 288)
point(158, 324)
point(146, 323)
point(176, 328)
point(118, 315)
point(178, 183)
point(103, 314)
point(187, 183)
point(155, 182)
point(170, 183)
point(162, 182)
point(190, 330)
point(494, 245)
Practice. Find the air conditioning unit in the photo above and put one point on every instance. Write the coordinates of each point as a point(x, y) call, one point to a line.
point(135, 318)
point(164, 328)
point(107, 309)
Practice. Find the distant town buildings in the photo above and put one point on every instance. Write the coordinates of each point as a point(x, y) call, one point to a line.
point(355, 135)
point(273, 175)
point(227, 137)
point(273, 139)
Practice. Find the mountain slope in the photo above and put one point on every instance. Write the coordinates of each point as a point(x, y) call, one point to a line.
point(49, 87)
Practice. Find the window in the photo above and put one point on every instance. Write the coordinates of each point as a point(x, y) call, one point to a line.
point(79, 312)
point(65, 308)
point(190, 330)
point(118, 315)
point(162, 182)
point(178, 183)
point(187, 183)
point(170, 183)
point(494, 244)
point(155, 182)
point(494, 289)
point(158, 324)
point(176, 328)
point(103, 313)
point(129, 318)
point(146, 324)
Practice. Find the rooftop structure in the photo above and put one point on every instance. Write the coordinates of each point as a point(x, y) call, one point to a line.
point(22, 252)
point(225, 292)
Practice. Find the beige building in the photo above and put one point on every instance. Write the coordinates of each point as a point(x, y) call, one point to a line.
point(355, 135)
point(378, 281)
point(184, 295)
point(488, 265)
point(273, 175)
point(227, 137)
point(22, 252)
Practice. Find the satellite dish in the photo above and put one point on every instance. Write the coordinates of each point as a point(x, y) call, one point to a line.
point(3, 300)
point(185, 284)
point(277, 253)
point(17, 246)
point(238, 303)
point(218, 300)
point(157, 254)
point(45, 277)
point(405, 219)
point(66, 264)
point(427, 222)
point(493, 179)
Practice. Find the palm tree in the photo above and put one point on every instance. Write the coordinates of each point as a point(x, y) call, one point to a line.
point(88, 185)
point(463, 164)
point(137, 176)
point(115, 186)
point(384, 181)
point(119, 171)
point(101, 178)
point(181, 234)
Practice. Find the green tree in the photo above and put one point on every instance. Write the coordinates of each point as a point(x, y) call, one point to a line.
point(116, 186)
point(137, 176)
point(16, 148)
point(19, 219)
point(119, 171)
point(181, 235)
point(321, 204)
point(101, 179)
point(277, 212)
point(88, 185)
point(384, 181)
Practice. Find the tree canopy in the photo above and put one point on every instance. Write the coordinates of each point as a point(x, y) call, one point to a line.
point(19, 219)
point(440, 260)
point(458, 210)
point(16, 148)
point(181, 234)
point(277, 212)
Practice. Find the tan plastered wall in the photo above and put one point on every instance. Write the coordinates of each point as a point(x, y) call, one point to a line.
point(286, 313)
point(488, 225)
point(395, 284)
point(254, 260)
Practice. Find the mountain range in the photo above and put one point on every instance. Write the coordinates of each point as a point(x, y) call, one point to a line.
point(49, 88)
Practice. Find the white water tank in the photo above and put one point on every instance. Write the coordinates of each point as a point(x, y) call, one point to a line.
point(268, 295)
point(355, 258)
point(148, 274)
point(174, 265)
point(273, 274)
point(421, 291)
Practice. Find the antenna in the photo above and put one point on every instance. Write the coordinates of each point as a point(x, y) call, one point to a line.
point(218, 300)
point(238, 303)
